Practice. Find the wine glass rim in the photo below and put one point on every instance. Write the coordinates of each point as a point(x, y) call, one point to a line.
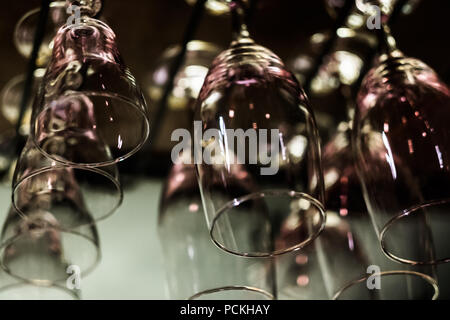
point(115, 182)
point(46, 282)
point(140, 108)
point(432, 282)
point(404, 214)
point(232, 288)
point(270, 193)
point(56, 286)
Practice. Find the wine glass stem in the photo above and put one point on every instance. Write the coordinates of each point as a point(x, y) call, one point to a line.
point(387, 41)
point(239, 17)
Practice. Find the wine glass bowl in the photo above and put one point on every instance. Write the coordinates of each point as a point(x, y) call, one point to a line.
point(41, 239)
point(70, 194)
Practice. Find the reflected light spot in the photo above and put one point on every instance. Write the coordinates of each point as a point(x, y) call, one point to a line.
point(160, 76)
point(439, 154)
point(267, 116)
point(179, 177)
point(410, 146)
point(389, 156)
point(351, 243)
point(301, 259)
point(331, 177)
point(231, 113)
point(349, 66)
point(283, 147)
point(119, 142)
point(318, 38)
point(297, 146)
point(242, 175)
point(355, 20)
point(333, 219)
point(191, 252)
point(304, 204)
point(302, 280)
point(213, 98)
point(247, 82)
point(343, 212)
point(193, 207)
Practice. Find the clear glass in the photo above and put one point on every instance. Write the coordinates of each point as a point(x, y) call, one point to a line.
point(346, 252)
point(85, 60)
point(39, 250)
point(26, 27)
point(402, 141)
point(252, 186)
point(346, 261)
point(27, 291)
point(71, 195)
point(398, 283)
point(195, 267)
point(346, 210)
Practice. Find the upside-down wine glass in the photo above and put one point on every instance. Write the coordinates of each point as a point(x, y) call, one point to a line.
point(39, 249)
point(402, 145)
point(195, 267)
point(85, 60)
point(256, 127)
point(348, 216)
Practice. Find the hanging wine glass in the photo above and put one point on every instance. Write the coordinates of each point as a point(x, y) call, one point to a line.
point(12, 288)
point(321, 268)
point(39, 250)
point(26, 27)
point(345, 252)
point(249, 90)
point(402, 141)
point(70, 194)
point(345, 204)
point(85, 60)
point(195, 267)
